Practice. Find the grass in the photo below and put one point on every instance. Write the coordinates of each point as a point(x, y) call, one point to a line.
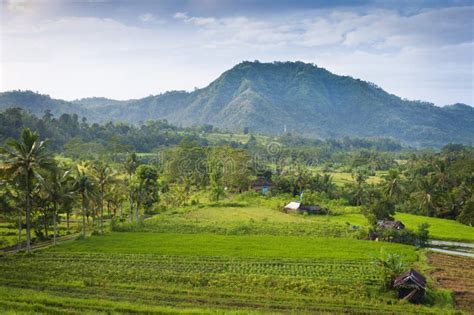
point(235, 245)
point(173, 273)
point(243, 253)
point(240, 138)
point(265, 217)
point(341, 178)
point(9, 232)
point(442, 229)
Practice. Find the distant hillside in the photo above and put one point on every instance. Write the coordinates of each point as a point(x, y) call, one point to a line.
point(39, 103)
point(269, 97)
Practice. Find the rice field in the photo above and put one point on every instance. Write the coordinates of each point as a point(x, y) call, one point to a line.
point(181, 273)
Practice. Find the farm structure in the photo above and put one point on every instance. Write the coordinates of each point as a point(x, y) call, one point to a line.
point(389, 224)
point(411, 286)
point(298, 207)
point(262, 185)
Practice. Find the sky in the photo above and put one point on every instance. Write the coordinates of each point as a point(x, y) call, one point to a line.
point(69, 49)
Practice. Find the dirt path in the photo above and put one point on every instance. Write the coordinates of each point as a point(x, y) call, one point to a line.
point(455, 273)
point(39, 245)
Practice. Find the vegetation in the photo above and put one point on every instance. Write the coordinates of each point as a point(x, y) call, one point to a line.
point(180, 230)
point(272, 97)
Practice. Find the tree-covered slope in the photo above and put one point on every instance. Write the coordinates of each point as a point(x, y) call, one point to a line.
point(272, 97)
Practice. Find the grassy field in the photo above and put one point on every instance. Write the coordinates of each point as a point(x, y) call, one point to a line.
point(439, 228)
point(166, 273)
point(267, 218)
point(236, 245)
point(241, 255)
point(343, 178)
point(9, 232)
point(214, 138)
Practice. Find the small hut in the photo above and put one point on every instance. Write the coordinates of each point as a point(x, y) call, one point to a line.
point(389, 224)
point(293, 206)
point(262, 185)
point(296, 206)
point(411, 286)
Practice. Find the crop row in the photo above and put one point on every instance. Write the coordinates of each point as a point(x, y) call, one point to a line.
point(121, 266)
point(73, 280)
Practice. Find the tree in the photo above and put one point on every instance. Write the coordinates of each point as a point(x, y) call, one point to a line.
point(86, 188)
point(379, 209)
point(216, 176)
point(104, 176)
point(130, 166)
point(392, 187)
point(425, 194)
point(23, 159)
point(441, 174)
point(146, 187)
point(423, 234)
point(58, 191)
point(391, 265)
point(358, 190)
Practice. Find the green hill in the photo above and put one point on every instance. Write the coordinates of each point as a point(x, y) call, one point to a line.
point(272, 97)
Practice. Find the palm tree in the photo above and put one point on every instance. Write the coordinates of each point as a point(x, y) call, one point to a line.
point(130, 166)
point(23, 159)
point(86, 188)
point(441, 173)
point(392, 186)
point(57, 190)
point(425, 194)
point(104, 176)
point(328, 185)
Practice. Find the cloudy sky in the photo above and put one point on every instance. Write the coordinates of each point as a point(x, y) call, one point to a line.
point(130, 49)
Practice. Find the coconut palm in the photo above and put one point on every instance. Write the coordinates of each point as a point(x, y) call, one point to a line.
point(23, 160)
point(85, 187)
point(392, 187)
point(425, 194)
point(130, 166)
point(104, 176)
point(58, 191)
point(441, 174)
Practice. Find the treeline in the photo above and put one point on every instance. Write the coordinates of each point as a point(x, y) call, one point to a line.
point(36, 190)
point(430, 184)
point(74, 136)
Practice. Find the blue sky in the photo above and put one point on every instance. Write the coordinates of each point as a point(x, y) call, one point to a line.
point(129, 49)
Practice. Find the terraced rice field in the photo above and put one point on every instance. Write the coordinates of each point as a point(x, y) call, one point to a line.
point(168, 273)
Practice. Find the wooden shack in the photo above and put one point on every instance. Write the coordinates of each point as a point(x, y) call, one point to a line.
point(390, 224)
point(411, 286)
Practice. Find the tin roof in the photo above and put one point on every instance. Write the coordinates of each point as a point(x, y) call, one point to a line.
point(294, 205)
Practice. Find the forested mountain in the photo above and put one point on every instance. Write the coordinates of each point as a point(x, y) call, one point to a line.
point(272, 97)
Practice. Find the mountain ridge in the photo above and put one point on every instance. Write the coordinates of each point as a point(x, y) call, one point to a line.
point(271, 97)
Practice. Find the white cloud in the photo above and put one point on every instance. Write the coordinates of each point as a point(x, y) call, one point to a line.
point(181, 15)
point(426, 56)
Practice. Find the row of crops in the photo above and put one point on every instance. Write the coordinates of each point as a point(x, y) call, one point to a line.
point(67, 281)
point(178, 225)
